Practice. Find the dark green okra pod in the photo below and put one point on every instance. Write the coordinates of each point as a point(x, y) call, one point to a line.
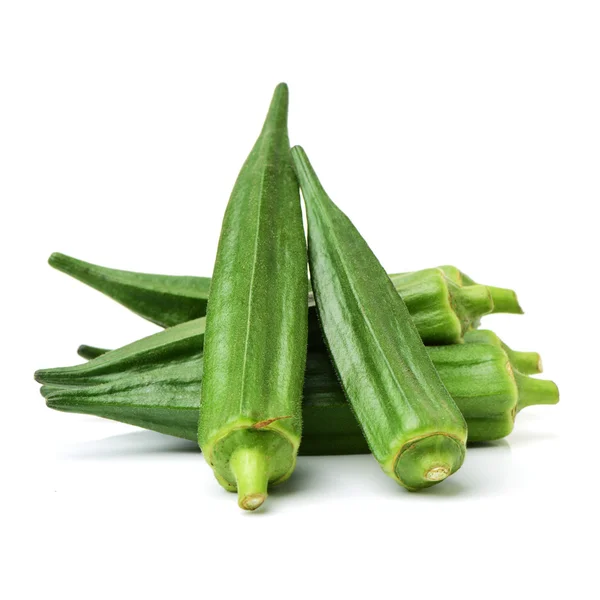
point(256, 336)
point(162, 299)
point(164, 395)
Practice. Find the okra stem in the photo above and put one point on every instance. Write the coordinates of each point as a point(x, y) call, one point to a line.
point(505, 301)
point(473, 300)
point(528, 363)
point(250, 468)
point(535, 391)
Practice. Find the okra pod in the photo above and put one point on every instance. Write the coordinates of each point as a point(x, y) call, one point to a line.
point(409, 420)
point(256, 336)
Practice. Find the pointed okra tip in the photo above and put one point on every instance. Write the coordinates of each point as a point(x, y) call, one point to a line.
point(57, 260)
point(281, 96)
point(278, 109)
point(67, 264)
point(282, 88)
point(309, 182)
point(299, 154)
point(40, 376)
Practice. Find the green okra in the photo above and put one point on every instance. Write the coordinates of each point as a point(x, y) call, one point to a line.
point(413, 427)
point(443, 302)
point(528, 363)
point(505, 300)
point(256, 336)
point(177, 341)
point(164, 395)
point(165, 300)
point(91, 352)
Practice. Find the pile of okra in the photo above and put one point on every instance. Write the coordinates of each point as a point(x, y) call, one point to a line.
point(260, 362)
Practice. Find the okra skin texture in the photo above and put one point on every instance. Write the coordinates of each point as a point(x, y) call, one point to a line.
point(178, 342)
point(443, 302)
point(413, 427)
point(165, 300)
point(90, 352)
point(256, 334)
point(441, 309)
point(165, 397)
point(528, 363)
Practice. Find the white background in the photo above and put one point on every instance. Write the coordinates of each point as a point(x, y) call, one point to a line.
point(450, 132)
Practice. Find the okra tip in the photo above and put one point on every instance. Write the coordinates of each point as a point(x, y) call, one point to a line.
point(278, 109)
point(282, 88)
point(39, 376)
point(309, 182)
point(90, 352)
point(60, 261)
point(71, 266)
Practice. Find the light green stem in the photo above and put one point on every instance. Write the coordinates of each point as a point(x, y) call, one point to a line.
point(505, 301)
point(473, 300)
point(535, 391)
point(528, 363)
point(250, 468)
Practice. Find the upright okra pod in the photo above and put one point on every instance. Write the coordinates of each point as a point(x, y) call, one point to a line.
point(409, 420)
point(256, 325)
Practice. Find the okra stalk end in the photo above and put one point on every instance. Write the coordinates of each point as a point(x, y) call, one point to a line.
point(505, 301)
point(473, 301)
point(528, 363)
point(251, 471)
point(428, 460)
point(535, 391)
